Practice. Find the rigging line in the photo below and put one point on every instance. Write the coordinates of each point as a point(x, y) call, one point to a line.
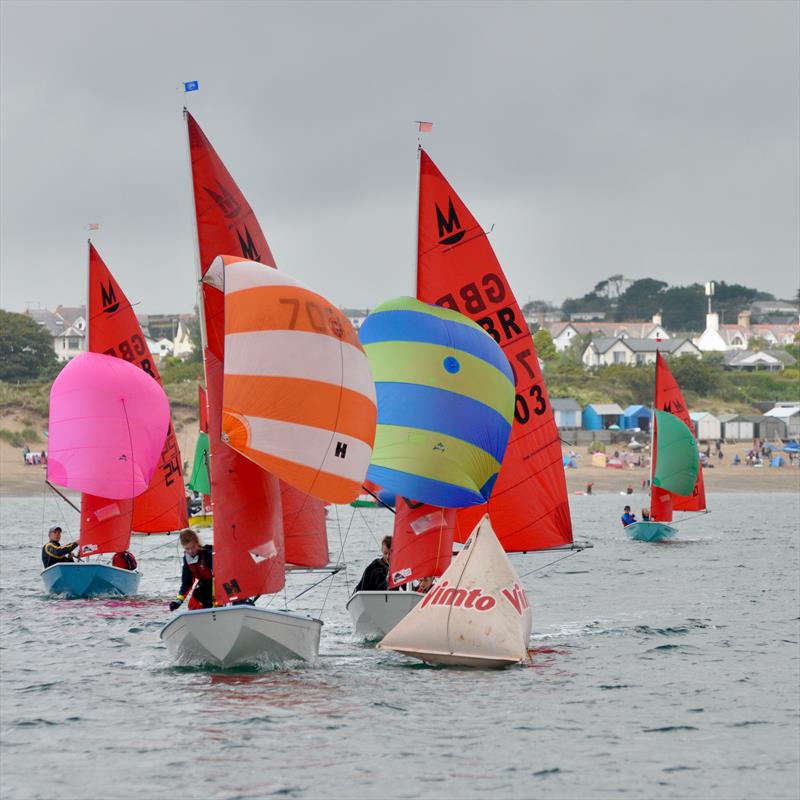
point(63, 496)
point(339, 529)
point(385, 505)
point(691, 519)
point(309, 588)
point(338, 560)
point(150, 550)
point(544, 566)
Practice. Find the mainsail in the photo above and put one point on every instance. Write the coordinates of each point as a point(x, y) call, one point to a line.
point(226, 224)
point(115, 331)
point(458, 269)
point(668, 397)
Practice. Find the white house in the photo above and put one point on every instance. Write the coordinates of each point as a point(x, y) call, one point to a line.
point(563, 333)
point(736, 428)
point(567, 411)
point(66, 325)
point(720, 338)
point(356, 316)
point(630, 351)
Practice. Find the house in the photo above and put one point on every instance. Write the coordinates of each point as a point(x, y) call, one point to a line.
point(636, 417)
point(563, 333)
point(601, 416)
point(736, 428)
point(771, 360)
point(632, 351)
point(356, 316)
point(706, 426)
point(719, 338)
point(567, 412)
point(67, 326)
point(765, 427)
point(789, 413)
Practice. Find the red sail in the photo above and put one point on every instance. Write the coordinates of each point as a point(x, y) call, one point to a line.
point(458, 269)
point(114, 330)
point(248, 531)
point(422, 544)
point(202, 409)
point(226, 225)
point(668, 397)
point(303, 519)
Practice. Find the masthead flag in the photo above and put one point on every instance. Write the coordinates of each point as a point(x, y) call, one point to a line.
point(424, 127)
point(94, 226)
point(191, 86)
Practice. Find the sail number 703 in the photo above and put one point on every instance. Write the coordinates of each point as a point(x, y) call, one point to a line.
point(522, 410)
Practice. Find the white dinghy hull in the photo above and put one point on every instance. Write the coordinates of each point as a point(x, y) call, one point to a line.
point(374, 614)
point(233, 636)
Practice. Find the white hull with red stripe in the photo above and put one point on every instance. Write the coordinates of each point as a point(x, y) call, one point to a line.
point(234, 636)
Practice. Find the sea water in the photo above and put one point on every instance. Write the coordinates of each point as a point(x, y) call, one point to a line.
point(659, 670)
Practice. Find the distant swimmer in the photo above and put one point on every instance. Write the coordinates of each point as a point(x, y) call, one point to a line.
point(627, 517)
point(53, 551)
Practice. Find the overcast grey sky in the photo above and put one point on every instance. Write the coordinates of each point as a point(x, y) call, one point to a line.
point(652, 139)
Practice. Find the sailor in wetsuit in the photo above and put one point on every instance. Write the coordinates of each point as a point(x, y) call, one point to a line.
point(54, 552)
point(198, 566)
point(375, 577)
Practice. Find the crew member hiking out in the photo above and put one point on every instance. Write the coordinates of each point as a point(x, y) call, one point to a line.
point(53, 551)
point(198, 566)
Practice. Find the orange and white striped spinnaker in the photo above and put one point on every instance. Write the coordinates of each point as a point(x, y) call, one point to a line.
point(298, 396)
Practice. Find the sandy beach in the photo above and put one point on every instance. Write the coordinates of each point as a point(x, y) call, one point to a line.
point(20, 480)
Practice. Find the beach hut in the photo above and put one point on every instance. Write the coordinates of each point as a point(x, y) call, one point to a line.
point(636, 417)
point(706, 425)
point(601, 416)
point(790, 414)
point(567, 412)
point(767, 427)
point(736, 428)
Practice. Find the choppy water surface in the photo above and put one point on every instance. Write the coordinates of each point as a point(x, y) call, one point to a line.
point(660, 671)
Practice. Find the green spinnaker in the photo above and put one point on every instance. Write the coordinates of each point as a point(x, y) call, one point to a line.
point(199, 481)
point(677, 459)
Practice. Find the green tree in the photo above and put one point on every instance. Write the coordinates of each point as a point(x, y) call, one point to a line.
point(696, 376)
point(26, 349)
point(545, 348)
point(193, 327)
point(641, 299)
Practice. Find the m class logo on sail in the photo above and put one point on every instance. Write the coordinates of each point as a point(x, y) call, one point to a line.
point(450, 230)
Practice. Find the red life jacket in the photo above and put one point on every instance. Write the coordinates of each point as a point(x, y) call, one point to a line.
point(124, 560)
point(200, 570)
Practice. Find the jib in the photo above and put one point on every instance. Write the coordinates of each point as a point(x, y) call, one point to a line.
point(472, 299)
point(445, 595)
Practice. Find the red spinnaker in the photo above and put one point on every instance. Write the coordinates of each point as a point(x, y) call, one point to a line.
point(303, 519)
point(226, 225)
point(248, 530)
point(422, 544)
point(115, 331)
point(458, 269)
point(668, 397)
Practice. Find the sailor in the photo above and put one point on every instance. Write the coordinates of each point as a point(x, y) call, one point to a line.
point(375, 577)
point(627, 517)
point(53, 551)
point(197, 566)
point(425, 584)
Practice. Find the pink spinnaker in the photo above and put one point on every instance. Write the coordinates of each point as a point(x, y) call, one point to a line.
point(108, 423)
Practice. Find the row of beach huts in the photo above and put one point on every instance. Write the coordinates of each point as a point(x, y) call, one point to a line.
point(780, 422)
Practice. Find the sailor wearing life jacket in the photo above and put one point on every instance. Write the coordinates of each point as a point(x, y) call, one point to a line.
point(53, 551)
point(197, 566)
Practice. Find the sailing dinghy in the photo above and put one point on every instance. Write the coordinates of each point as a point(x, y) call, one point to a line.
point(676, 476)
point(291, 398)
point(106, 523)
point(108, 421)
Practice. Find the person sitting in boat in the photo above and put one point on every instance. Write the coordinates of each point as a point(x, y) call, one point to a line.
point(376, 575)
point(53, 551)
point(627, 517)
point(124, 560)
point(645, 515)
point(425, 584)
point(198, 566)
